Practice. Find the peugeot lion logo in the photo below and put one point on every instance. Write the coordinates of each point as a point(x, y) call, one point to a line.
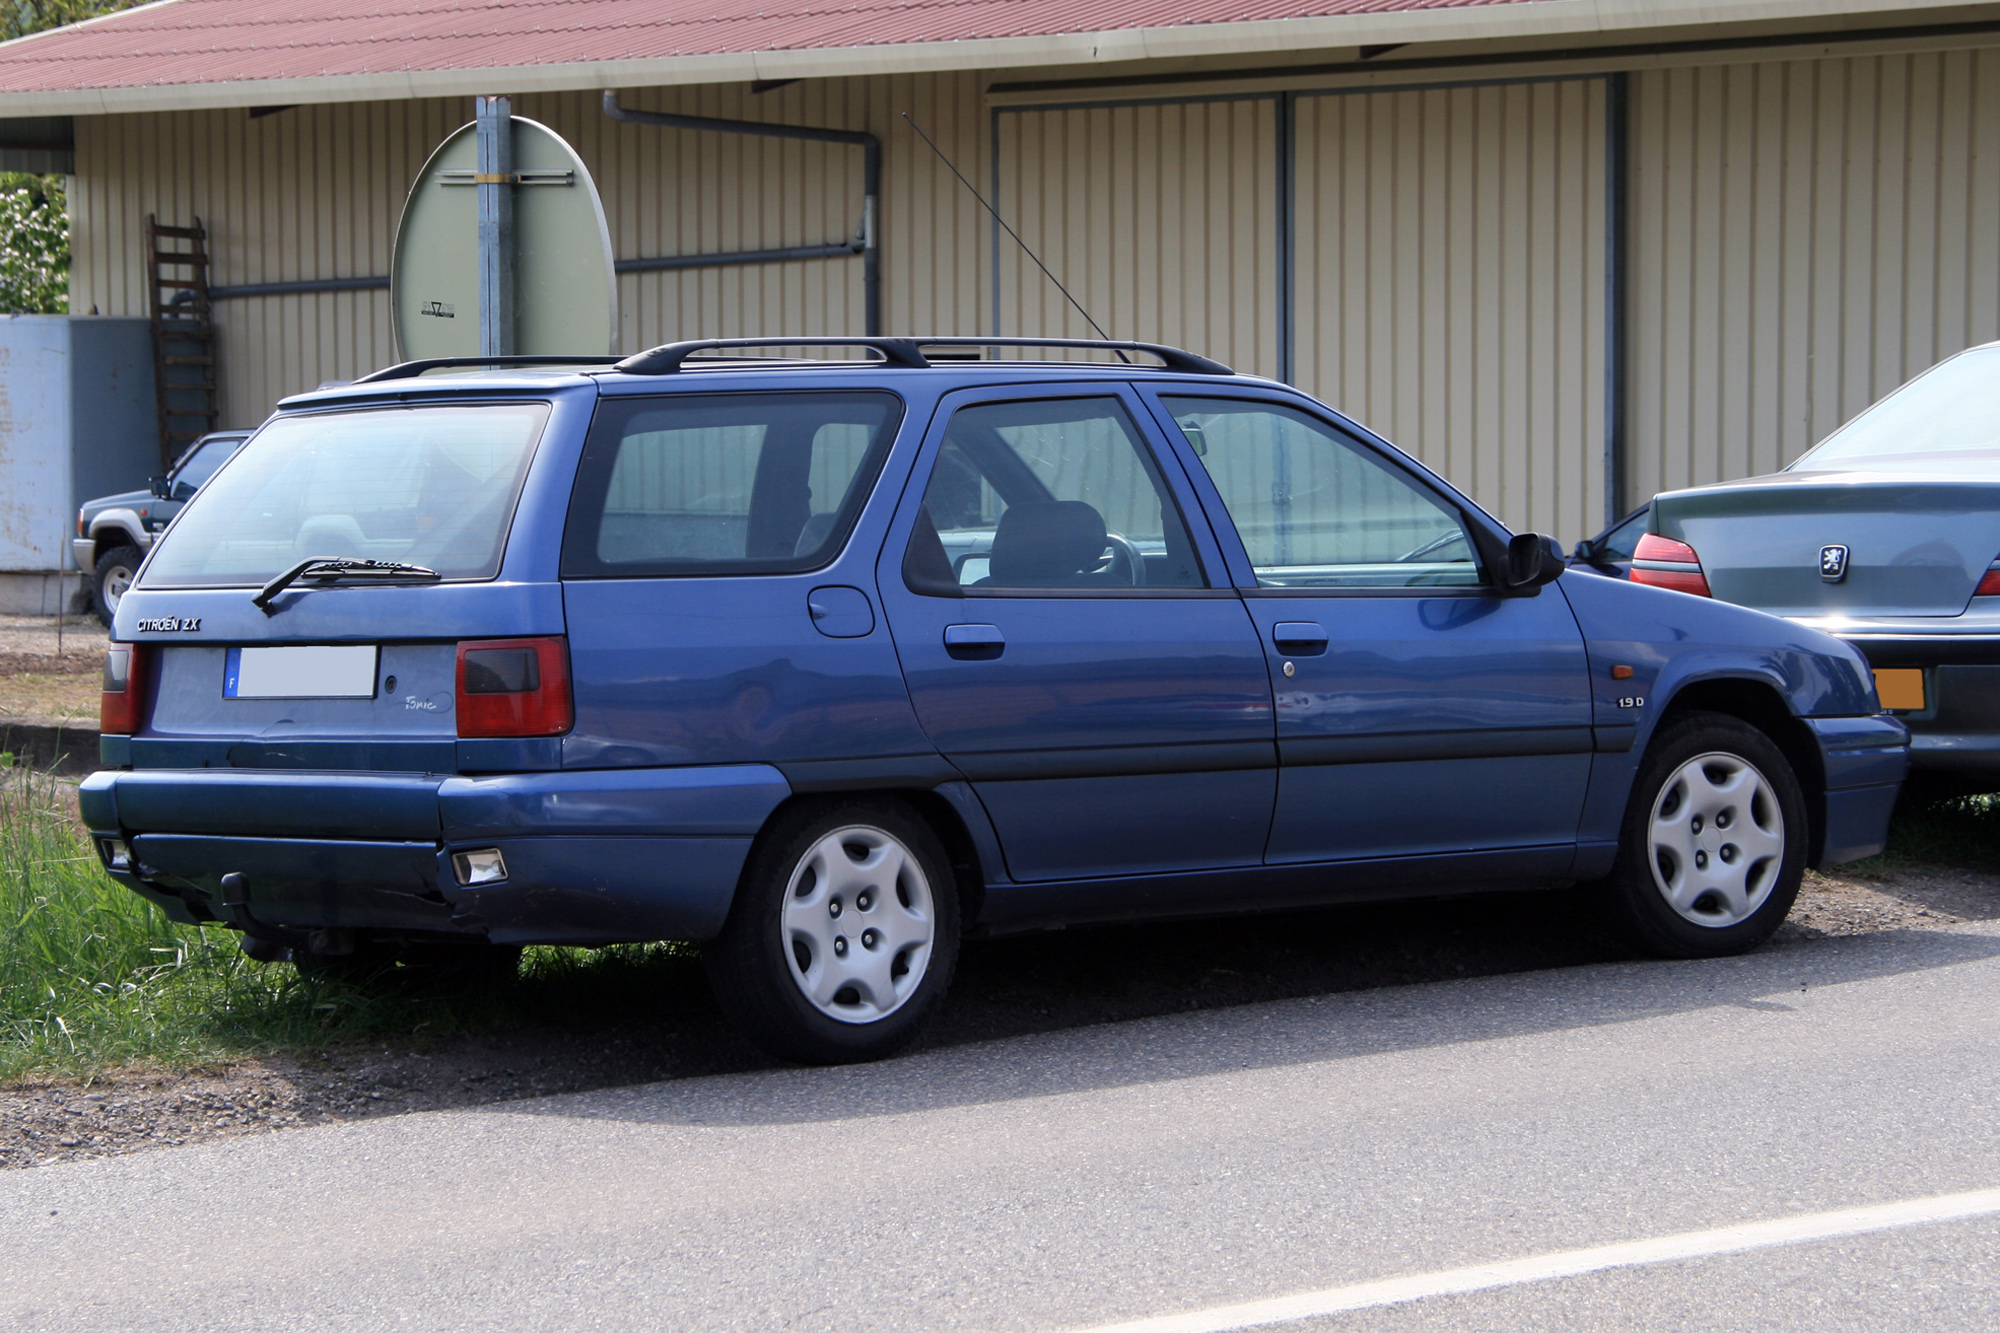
point(1833, 563)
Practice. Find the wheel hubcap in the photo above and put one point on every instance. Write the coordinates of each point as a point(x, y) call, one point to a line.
point(858, 924)
point(1718, 840)
point(115, 585)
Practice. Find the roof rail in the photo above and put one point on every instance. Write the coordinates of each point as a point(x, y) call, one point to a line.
point(908, 352)
point(409, 370)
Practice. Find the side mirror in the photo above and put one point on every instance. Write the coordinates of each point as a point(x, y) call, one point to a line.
point(1586, 551)
point(158, 486)
point(1533, 560)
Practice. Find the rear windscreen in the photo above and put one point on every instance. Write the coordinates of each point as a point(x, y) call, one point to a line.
point(430, 486)
point(724, 483)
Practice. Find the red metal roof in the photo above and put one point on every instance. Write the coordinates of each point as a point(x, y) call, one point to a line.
point(223, 41)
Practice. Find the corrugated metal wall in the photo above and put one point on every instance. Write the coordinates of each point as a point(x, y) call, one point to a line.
point(1161, 219)
point(1450, 293)
point(1806, 235)
point(315, 192)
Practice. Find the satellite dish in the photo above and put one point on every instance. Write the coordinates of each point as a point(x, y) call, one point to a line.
point(565, 290)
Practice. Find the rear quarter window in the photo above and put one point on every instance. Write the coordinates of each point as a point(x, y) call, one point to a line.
point(430, 485)
point(724, 483)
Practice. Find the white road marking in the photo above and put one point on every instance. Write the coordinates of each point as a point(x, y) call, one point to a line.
point(1571, 1263)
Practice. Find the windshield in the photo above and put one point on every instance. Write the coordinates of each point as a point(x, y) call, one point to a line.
point(432, 486)
point(200, 465)
point(1947, 420)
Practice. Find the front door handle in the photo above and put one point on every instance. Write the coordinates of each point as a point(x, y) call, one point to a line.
point(1299, 638)
point(974, 643)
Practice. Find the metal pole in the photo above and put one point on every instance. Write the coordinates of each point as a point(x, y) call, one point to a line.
point(494, 180)
point(1617, 198)
point(1288, 211)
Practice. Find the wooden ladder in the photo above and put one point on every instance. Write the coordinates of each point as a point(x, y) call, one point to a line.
point(183, 336)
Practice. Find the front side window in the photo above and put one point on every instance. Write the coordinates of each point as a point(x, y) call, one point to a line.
point(1317, 510)
point(1050, 494)
point(199, 466)
point(724, 483)
point(432, 486)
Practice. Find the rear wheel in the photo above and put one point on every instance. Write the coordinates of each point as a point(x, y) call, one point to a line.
point(1713, 845)
point(843, 935)
point(113, 574)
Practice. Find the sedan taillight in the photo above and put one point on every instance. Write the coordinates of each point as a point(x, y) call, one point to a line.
point(1990, 585)
point(513, 687)
point(1666, 563)
point(124, 697)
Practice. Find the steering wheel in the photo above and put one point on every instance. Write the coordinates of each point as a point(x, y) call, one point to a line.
point(1123, 552)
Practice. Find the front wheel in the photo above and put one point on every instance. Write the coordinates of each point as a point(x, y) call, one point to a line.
point(843, 935)
point(1713, 844)
point(112, 575)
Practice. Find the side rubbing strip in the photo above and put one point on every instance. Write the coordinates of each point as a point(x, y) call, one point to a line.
point(1314, 750)
point(1122, 761)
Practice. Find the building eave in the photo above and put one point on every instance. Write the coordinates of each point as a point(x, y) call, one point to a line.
point(1529, 20)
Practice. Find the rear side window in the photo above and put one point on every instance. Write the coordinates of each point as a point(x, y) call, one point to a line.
point(432, 486)
point(724, 483)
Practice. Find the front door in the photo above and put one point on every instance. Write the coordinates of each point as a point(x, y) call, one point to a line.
point(1419, 711)
point(1066, 646)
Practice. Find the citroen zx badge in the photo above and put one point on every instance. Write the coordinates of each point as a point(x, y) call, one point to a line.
point(1833, 563)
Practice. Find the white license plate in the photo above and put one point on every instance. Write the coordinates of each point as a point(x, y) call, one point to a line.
point(317, 672)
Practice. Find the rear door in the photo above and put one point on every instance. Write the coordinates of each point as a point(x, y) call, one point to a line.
point(1071, 643)
point(1418, 711)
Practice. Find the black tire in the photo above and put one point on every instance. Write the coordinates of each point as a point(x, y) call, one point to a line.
point(110, 576)
point(1712, 812)
point(786, 923)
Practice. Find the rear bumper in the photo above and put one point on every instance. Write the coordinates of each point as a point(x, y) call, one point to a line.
point(592, 857)
point(1957, 732)
point(1865, 760)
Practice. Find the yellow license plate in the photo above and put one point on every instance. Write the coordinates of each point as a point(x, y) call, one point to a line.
point(1901, 688)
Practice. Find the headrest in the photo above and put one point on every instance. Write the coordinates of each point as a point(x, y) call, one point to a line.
point(1041, 544)
point(813, 535)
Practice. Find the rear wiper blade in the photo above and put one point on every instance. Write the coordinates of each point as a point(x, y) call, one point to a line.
point(334, 569)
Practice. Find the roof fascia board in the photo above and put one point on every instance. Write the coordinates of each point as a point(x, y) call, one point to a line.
point(1476, 67)
point(1529, 19)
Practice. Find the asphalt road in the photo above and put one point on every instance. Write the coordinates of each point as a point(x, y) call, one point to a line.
point(1159, 1167)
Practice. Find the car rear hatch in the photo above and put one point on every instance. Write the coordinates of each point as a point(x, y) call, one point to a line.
point(350, 668)
point(1840, 544)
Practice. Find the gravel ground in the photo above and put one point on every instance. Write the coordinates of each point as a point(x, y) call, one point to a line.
point(1004, 988)
point(39, 685)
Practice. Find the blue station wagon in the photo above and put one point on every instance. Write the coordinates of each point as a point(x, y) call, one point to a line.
point(827, 664)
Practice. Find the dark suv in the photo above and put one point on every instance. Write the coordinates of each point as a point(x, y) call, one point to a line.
point(826, 664)
point(114, 532)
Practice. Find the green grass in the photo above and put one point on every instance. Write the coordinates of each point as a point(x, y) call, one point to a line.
point(93, 978)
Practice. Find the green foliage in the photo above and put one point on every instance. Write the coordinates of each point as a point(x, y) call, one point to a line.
point(23, 17)
point(34, 245)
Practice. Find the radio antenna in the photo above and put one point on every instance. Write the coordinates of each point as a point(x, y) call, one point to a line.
point(1011, 232)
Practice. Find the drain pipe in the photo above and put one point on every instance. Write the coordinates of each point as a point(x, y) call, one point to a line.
point(871, 187)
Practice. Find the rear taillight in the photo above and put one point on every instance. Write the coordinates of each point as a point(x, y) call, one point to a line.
point(513, 687)
point(1666, 563)
point(1990, 585)
point(124, 697)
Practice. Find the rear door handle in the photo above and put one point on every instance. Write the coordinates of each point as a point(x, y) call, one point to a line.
point(1299, 638)
point(974, 643)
